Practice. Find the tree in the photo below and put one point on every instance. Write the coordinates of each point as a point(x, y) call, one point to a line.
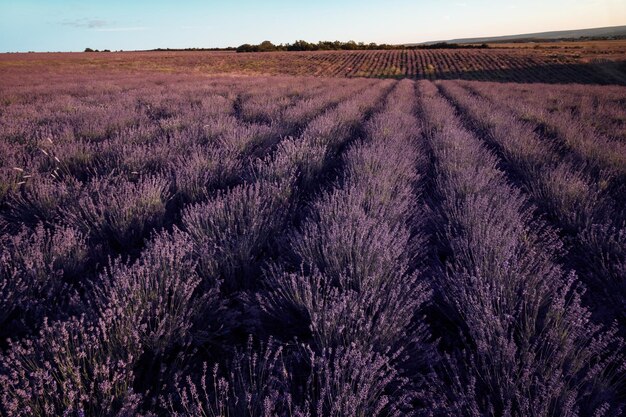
point(246, 47)
point(267, 46)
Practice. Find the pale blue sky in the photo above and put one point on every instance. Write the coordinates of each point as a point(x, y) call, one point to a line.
point(58, 25)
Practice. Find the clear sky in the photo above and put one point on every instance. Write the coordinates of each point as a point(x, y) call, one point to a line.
point(58, 25)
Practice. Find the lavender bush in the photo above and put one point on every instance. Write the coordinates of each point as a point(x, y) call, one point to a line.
point(69, 369)
point(34, 269)
point(255, 384)
point(156, 299)
point(118, 212)
point(229, 231)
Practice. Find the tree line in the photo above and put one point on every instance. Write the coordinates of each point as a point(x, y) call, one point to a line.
point(301, 45)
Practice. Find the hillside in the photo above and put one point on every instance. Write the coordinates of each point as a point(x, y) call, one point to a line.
point(614, 32)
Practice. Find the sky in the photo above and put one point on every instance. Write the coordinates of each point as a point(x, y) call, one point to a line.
point(58, 25)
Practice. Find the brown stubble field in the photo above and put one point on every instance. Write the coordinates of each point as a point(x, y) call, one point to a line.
point(590, 62)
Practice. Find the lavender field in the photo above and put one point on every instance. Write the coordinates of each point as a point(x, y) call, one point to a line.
point(203, 246)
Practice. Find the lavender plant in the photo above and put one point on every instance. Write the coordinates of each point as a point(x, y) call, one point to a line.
point(118, 212)
point(255, 383)
point(156, 298)
point(34, 270)
point(230, 231)
point(69, 369)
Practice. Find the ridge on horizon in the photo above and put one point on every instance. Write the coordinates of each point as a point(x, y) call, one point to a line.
point(573, 34)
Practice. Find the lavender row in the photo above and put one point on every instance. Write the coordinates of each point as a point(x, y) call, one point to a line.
point(600, 107)
point(527, 345)
point(134, 137)
point(351, 279)
point(573, 200)
point(110, 212)
point(603, 157)
point(178, 295)
point(232, 229)
point(283, 181)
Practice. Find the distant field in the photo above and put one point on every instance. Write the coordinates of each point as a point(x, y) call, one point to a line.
point(602, 62)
